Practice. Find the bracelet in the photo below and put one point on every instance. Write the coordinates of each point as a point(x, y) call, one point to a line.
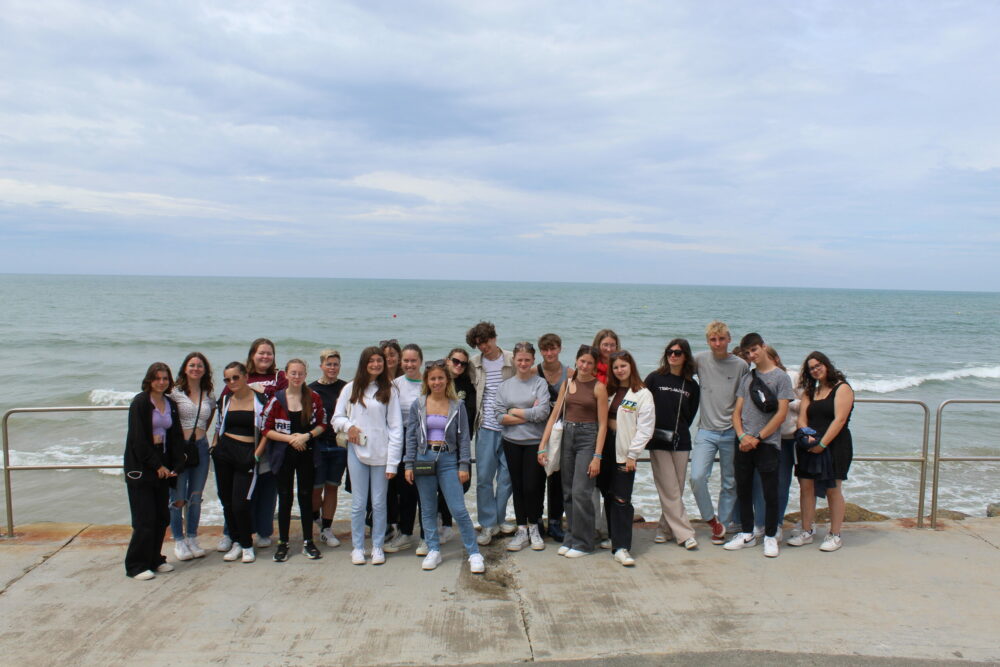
point(598, 456)
point(742, 435)
point(821, 444)
point(256, 458)
point(542, 451)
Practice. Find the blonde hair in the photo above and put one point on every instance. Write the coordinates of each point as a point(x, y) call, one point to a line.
point(327, 353)
point(716, 328)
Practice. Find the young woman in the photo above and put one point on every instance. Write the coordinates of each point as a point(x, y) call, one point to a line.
point(554, 372)
point(237, 437)
point(293, 419)
point(332, 460)
point(458, 368)
point(392, 354)
point(584, 431)
point(438, 431)
point(676, 397)
point(631, 417)
point(368, 413)
point(196, 406)
point(402, 503)
point(522, 409)
point(153, 454)
point(606, 342)
point(827, 403)
point(263, 377)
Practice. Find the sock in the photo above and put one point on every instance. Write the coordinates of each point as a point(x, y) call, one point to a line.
point(327, 523)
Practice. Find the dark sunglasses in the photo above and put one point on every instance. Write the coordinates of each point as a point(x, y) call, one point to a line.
point(675, 353)
point(232, 378)
point(459, 362)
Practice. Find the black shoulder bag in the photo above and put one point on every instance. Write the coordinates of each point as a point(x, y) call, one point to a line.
point(761, 394)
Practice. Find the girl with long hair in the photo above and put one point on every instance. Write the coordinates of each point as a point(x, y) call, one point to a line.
point(606, 342)
point(196, 405)
point(368, 413)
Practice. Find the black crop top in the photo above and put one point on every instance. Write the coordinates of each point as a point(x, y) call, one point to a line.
point(239, 422)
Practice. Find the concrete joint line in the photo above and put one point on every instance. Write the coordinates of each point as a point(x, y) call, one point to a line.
point(522, 608)
point(970, 533)
point(44, 558)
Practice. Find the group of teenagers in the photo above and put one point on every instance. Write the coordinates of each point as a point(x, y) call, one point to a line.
point(545, 434)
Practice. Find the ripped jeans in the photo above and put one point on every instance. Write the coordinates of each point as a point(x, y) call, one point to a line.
point(618, 505)
point(190, 484)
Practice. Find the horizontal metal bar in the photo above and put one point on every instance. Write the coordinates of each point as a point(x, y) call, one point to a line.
point(68, 467)
point(970, 458)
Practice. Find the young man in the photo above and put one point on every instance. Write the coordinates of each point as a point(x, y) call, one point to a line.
point(719, 375)
point(554, 373)
point(757, 419)
point(490, 367)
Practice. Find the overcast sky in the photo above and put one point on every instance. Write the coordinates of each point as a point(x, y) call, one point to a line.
point(852, 144)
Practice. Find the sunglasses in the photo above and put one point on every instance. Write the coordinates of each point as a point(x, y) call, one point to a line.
point(435, 363)
point(675, 353)
point(231, 378)
point(392, 342)
point(459, 362)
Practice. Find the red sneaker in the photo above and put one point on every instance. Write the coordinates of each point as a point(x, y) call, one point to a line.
point(718, 531)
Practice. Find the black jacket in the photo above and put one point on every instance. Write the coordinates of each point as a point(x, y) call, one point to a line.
point(142, 457)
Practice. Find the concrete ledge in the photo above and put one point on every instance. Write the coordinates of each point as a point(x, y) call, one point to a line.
point(891, 593)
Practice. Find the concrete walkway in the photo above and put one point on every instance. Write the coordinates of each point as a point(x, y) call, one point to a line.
point(893, 594)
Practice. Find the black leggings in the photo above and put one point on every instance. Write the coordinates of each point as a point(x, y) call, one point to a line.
point(301, 465)
point(233, 475)
point(527, 480)
point(763, 458)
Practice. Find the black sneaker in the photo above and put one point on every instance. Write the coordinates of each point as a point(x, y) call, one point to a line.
point(281, 553)
point(310, 550)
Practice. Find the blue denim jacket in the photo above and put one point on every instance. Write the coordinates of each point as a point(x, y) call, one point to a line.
point(456, 433)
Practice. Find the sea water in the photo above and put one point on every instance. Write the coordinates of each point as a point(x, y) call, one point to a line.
point(87, 340)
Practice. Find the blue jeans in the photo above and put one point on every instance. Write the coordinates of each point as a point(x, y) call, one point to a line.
point(190, 485)
point(363, 477)
point(454, 497)
point(491, 503)
point(706, 445)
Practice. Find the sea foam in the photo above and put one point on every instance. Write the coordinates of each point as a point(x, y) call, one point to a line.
point(110, 397)
point(889, 385)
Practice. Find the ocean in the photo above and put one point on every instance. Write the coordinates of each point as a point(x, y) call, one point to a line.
point(87, 340)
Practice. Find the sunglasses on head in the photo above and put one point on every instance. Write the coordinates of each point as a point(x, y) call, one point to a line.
point(435, 363)
point(392, 342)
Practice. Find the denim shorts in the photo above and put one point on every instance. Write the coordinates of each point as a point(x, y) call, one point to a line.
point(330, 468)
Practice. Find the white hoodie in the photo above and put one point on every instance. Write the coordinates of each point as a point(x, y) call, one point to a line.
point(382, 425)
point(636, 420)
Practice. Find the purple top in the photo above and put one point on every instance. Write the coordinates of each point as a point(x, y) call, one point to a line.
point(162, 421)
point(435, 427)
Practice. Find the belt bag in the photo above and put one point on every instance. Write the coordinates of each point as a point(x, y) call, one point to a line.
point(426, 468)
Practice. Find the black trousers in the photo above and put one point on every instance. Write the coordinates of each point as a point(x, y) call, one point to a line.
point(233, 475)
point(148, 503)
point(299, 465)
point(615, 485)
point(555, 496)
point(527, 480)
point(763, 458)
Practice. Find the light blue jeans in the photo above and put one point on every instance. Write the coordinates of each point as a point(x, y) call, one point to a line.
point(491, 463)
point(190, 485)
point(451, 488)
point(364, 476)
point(706, 445)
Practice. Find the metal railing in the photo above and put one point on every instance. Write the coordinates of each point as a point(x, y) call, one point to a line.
point(7, 467)
point(937, 449)
point(923, 459)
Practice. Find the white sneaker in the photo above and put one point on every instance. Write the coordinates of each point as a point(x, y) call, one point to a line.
point(605, 544)
point(507, 528)
point(486, 535)
point(248, 555)
point(690, 544)
point(476, 564)
point(660, 538)
point(537, 543)
point(195, 548)
point(741, 540)
point(225, 543)
point(329, 539)
point(262, 542)
point(378, 556)
point(771, 547)
point(145, 575)
point(576, 553)
point(358, 556)
point(164, 567)
point(563, 550)
point(624, 557)
point(801, 539)
point(519, 540)
point(831, 542)
point(445, 533)
point(181, 550)
point(422, 548)
point(432, 561)
point(234, 553)
point(398, 543)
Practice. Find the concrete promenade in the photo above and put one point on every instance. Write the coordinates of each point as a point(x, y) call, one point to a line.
point(892, 595)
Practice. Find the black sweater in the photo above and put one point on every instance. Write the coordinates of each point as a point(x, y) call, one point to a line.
point(142, 457)
point(667, 391)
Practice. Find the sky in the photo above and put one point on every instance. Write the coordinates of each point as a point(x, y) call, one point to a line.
point(799, 143)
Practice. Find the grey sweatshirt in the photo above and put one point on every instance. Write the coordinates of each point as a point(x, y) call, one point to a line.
point(532, 395)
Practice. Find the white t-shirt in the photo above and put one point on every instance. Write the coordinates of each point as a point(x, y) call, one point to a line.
point(409, 391)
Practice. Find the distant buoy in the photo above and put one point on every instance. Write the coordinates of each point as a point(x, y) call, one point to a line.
point(394, 314)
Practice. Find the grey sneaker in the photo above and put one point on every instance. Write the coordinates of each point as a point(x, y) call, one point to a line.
point(422, 548)
point(535, 537)
point(801, 539)
point(520, 539)
point(398, 543)
point(486, 534)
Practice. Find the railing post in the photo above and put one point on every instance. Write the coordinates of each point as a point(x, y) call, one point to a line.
point(6, 479)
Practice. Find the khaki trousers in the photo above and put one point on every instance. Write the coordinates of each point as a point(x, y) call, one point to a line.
point(669, 471)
